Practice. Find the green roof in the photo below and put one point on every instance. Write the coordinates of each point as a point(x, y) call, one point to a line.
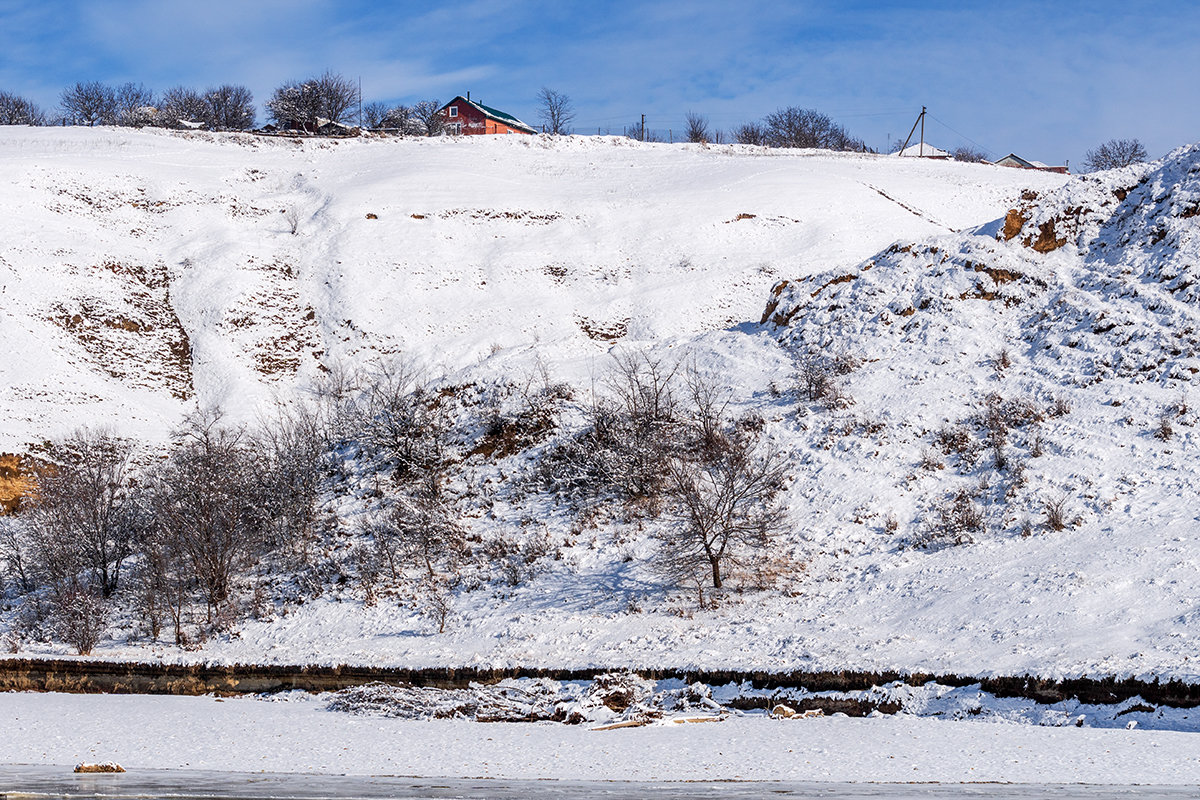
point(496, 114)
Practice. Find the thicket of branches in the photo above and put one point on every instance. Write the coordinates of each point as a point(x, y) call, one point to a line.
point(304, 104)
point(1113, 154)
point(223, 108)
point(16, 110)
point(798, 127)
point(186, 542)
point(661, 440)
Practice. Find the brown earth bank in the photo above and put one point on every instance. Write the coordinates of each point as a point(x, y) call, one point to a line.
point(87, 676)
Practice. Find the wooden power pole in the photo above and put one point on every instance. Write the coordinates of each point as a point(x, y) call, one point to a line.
point(920, 121)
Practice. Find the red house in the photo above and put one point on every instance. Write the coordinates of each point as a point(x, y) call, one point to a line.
point(465, 117)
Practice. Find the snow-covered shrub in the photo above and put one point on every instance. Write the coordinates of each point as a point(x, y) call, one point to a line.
point(207, 511)
point(420, 530)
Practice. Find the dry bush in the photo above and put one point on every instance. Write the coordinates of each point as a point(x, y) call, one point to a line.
point(1165, 427)
point(955, 521)
point(636, 426)
point(1001, 362)
point(817, 379)
point(1057, 514)
point(930, 460)
point(1059, 407)
point(78, 616)
point(953, 439)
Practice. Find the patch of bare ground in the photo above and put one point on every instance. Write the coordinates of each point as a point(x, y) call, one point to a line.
point(603, 331)
point(136, 337)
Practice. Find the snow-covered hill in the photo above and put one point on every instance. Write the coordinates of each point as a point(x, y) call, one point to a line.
point(142, 271)
point(992, 459)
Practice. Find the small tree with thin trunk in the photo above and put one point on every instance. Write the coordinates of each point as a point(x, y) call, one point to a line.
point(696, 128)
point(555, 110)
point(84, 521)
point(726, 509)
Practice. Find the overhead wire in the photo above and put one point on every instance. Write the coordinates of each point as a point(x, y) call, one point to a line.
point(987, 150)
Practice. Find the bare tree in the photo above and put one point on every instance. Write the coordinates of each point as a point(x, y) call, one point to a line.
point(555, 110)
point(305, 104)
point(84, 521)
point(696, 128)
point(805, 127)
point(206, 502)
point(294, 106)
point(91, 103)
point(750, 133)
point(373, 115)
point(339, 97)
point(291, 448)
point(969, 154)
point(427, 112)
point(727, 509)
point(1113, 154)
point(230, 108)
point(420, 530)
point(79, 616)
point(16, 110)
point(135, 105)
point(181, 107)
point(15, 558)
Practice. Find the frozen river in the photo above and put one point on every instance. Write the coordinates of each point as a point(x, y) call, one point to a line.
point(60, 782)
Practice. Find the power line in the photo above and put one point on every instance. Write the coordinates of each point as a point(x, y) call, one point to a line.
point(987, 150)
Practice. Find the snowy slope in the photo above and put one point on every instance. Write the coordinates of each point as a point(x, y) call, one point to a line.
point(144, 270)
point(1064, 330)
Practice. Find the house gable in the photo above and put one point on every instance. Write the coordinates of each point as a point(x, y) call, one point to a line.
point(466, 117)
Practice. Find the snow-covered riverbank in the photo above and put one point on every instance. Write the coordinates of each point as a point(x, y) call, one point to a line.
point(298, 735)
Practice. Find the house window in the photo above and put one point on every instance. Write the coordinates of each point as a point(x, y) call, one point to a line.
point(454, 111)
point(455, 128)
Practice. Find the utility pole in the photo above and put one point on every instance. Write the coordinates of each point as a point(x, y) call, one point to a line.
point(922, 151)
point(643, 132)
point(920, 121)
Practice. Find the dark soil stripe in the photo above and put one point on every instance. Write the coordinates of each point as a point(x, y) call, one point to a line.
point(86, 676)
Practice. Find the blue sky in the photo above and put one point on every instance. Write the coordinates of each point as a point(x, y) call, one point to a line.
point(1045, 79)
